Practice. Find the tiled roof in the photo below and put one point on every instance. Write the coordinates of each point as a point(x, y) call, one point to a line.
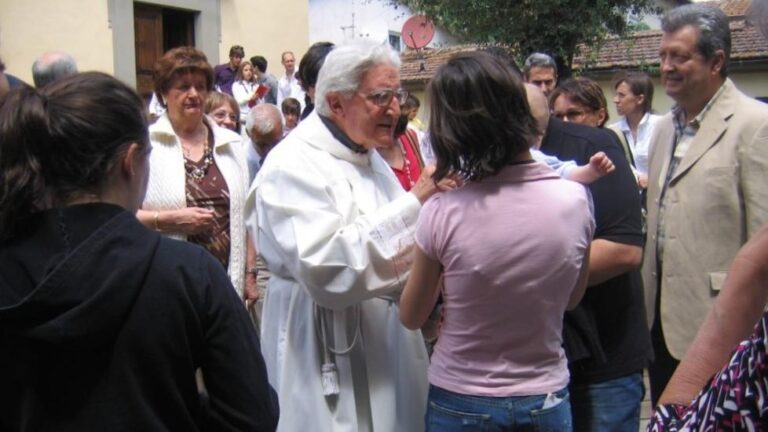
point(421, 66)
point(642, 48)
point(639, 49)
point(732, 8)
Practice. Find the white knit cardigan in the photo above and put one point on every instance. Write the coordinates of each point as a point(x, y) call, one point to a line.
point(166, 188)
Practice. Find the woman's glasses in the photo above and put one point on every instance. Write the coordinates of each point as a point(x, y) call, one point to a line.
point(573, 114)
point(221, 115)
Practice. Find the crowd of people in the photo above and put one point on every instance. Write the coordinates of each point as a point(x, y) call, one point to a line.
point(303, 254)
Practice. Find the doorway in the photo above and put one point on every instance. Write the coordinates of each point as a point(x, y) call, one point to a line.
point(156, 30)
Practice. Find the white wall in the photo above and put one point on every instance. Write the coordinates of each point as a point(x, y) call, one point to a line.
point(29, 28)
point(99, 34)
point(340, 20)
point(265, 28)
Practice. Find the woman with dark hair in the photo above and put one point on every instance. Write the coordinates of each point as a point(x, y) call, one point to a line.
point(633, 96)
point(103, 322)
point(309, 68)
point(582, 101)
point(199, 194)
point(505, 289)
point(403, 155)
point(579, 100)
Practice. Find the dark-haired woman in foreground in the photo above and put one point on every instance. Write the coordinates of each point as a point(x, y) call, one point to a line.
point(103, 322)
point(512, 246)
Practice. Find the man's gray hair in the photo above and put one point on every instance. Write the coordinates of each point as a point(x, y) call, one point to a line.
point(540, 60)
point(345, 66)
point(712, 24)
point(52, 66)
point(264, 118)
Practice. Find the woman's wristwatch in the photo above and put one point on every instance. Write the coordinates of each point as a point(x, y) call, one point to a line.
point(251, 271)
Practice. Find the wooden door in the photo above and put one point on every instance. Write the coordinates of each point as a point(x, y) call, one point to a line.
point(148, 33)
point(178, 28)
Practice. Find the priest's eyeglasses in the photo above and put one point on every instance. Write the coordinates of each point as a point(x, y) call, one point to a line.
point(384, 97)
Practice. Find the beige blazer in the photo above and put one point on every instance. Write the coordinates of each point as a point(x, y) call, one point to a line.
point(716, 200)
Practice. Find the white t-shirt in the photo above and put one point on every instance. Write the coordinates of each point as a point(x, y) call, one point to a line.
point(642, 147)
point(289, 87)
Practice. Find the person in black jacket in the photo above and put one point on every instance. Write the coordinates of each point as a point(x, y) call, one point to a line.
point(606, 337)
point(103, 323)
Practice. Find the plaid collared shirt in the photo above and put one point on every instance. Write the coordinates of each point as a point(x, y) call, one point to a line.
point(684, 136)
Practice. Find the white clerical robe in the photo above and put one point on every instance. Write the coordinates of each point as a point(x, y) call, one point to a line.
point(335, 229)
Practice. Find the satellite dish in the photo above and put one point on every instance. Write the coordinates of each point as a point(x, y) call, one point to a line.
point(417, 32)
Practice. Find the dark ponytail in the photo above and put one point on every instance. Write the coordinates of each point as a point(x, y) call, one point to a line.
point(23, 129)
point(61, 141)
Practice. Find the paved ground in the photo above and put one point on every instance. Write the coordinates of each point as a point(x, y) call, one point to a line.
point(645, 407)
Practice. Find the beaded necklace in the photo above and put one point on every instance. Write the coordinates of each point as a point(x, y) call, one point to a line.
point(406, 164)
point(194, 172)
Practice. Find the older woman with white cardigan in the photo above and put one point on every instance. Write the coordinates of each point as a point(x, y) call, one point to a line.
point(199, 177)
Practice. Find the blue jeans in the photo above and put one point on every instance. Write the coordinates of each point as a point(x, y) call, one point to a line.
point(448, 412)
point(611, 406)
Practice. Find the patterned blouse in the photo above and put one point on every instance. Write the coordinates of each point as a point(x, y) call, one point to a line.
point(211, 193)
point(735, 399)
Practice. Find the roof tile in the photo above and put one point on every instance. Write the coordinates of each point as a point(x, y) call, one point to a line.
point(641, 48)
point(638, 50)
point(421, 65)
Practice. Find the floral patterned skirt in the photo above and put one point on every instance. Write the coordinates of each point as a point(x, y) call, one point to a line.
point(735, 399)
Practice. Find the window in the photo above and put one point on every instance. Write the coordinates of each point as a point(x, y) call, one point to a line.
point(394, 41)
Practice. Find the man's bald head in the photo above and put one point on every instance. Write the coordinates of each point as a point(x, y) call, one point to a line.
point(264, 126)
point(539, 108)
point(52, 66)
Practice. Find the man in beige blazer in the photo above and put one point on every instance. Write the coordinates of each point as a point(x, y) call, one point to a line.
point(708, 182)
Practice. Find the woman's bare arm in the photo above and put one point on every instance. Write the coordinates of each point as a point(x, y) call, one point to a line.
point(421, 290)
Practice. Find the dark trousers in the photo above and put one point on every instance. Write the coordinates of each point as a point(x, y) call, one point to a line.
point(663, 365)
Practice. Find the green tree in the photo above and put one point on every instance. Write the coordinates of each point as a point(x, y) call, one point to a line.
point(552, 26)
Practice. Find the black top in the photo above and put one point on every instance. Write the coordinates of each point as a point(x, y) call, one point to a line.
point(341, 136)
point(606, 336)
point(103, 324)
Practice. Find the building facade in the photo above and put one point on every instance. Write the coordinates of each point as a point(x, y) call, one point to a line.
point(382, 20)
point(125, 37)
